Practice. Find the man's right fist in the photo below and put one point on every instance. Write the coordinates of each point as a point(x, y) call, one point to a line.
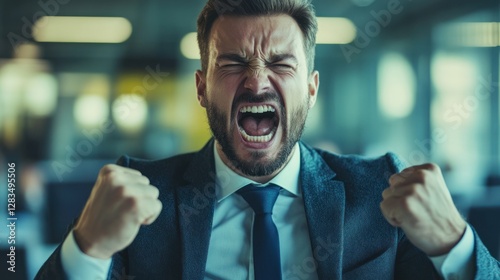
point(121, 201)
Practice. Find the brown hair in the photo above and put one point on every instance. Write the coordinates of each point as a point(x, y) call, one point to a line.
point(302, 11)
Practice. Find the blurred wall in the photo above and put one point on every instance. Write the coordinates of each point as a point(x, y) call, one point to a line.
point(418, 78)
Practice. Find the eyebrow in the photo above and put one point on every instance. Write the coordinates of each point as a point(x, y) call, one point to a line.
point(281, 57)
point(231, 57)
point(273, 59)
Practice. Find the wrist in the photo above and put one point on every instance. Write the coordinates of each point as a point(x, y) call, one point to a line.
point(450, 238)
point(88, 247)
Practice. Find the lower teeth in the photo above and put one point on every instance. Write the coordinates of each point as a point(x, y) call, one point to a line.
point(259, 139)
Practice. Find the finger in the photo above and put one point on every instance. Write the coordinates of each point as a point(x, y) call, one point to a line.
point(391, 211)
point(116, 179)
point(407, 190)
point(427, 166)
point(413, 173)
point(137, 210)
point(156, 207)
point(387, 193)
point(405, 179)
point(398, 178)
point(114, 167)
point(140, 180)
point(138, 191)
point(148, 191)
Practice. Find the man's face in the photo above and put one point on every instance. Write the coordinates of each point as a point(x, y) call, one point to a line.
point(257, 91)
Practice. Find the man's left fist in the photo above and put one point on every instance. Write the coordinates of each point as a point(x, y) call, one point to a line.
point(418, 201)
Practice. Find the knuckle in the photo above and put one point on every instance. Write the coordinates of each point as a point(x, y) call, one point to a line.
point(120, 191)
point(383, 206)
point(405, 203)
point(402, 176)
point(408, 205)
point(420, 175)
point(107, 168)
point(112, 176)
point(412, 190)
point(393, 177)
point(132, 204)
point(431, 166)
point(156, 192)
point(160, 205)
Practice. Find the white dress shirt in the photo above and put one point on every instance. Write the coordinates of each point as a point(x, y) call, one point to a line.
point(233, 220)
point(230, 249)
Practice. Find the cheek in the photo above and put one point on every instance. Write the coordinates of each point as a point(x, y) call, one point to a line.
point(220, 98)
point(294, 93)
point(222, 91)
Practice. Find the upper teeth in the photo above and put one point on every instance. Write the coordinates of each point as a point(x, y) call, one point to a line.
point(257, 109)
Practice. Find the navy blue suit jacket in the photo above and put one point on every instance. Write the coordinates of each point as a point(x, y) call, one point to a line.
point(350, 238)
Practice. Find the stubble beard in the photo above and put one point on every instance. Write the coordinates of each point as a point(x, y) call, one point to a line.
point(257, 165)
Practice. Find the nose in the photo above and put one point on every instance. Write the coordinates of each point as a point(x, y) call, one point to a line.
point(257, 80)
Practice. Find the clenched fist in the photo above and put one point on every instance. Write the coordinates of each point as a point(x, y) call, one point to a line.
point(418, 201)
point(121, 201)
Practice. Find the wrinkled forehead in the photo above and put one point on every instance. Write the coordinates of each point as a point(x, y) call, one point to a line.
point(251, 36)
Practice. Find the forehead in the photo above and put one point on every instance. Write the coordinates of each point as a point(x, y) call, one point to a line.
point(256, 35)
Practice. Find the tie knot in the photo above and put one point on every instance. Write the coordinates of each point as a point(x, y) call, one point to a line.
point(261, 199)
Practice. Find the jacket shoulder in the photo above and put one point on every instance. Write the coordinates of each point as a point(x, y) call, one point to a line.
point(171, 167)
point(348, 165)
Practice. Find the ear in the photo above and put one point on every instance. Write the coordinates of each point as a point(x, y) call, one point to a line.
point(201, 88)
point(313, 86)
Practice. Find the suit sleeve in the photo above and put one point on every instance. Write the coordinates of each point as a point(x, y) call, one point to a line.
point(486, 266)
point(411, 263)
point(52, 269)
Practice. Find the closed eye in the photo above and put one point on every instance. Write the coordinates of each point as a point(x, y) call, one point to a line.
point(281, 65)
point(232, 65)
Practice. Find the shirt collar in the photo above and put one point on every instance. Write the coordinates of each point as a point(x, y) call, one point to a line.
point(228, 181)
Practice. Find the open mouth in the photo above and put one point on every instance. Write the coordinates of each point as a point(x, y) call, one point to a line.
point(257, 123)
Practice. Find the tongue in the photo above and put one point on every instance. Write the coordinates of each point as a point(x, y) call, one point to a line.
point(255, 127)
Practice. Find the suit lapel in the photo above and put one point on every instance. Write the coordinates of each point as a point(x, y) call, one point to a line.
point(195, 205)
point(324, 203)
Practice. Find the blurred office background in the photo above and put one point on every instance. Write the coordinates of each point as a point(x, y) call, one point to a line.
point(83, 82)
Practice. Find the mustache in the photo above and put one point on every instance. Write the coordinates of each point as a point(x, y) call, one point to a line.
point(260, 98)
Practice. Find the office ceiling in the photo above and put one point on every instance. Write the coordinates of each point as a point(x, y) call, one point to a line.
point(159, 25)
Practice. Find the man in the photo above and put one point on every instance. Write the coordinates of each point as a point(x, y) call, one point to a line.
point(193, 216)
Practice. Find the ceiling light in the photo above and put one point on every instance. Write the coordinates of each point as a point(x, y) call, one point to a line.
point(91, 110)
point(335, 30)
point(189, 46)
point(469, 34)
point(396, 86)
point(82, 29)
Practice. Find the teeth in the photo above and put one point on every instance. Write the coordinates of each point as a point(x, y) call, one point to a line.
point(259, 139)
point(257, 109)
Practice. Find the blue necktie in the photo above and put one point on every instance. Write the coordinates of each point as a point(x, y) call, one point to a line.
point(266, 245)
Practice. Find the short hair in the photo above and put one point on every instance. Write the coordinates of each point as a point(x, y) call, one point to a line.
point(302, 11)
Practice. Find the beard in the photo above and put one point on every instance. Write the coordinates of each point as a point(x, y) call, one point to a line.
point(256, 164)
